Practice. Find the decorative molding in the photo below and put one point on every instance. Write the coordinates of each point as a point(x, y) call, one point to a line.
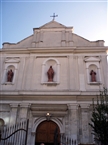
point(51, 58)
point(41, 119)
point(12, 60)
point(92, 59)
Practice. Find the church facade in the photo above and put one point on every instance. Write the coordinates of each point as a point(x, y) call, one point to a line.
point(51, 78)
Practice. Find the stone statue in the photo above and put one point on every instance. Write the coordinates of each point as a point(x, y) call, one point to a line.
point(10, 75)
point(93, 76)
point(50, 74)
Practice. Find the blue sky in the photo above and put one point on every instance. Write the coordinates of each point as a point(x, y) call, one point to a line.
point(88, 18)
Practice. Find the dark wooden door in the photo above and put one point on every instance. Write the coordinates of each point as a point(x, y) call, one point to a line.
point(45, 132)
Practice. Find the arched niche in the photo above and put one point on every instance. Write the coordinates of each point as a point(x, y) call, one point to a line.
point(45, 67)
point(10, 63)
point(96, 69)
point(93, 63)
point(8, 68)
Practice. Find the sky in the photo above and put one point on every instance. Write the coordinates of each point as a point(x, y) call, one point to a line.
point(89, 18)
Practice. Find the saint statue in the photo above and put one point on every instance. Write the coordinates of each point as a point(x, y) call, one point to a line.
point(10, 75)
point(50, 74)
point(93, 76)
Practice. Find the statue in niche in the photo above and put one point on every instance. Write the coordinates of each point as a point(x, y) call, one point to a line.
point(10, 75)
point(50, 74)
point(93, 76)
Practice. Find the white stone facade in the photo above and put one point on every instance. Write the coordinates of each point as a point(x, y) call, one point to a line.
point(69, 97)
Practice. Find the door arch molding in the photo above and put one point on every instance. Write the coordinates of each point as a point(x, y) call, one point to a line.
point(39, 120)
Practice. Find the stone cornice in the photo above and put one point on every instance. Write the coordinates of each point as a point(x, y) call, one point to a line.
point(43, 93)
point(49, 96)
point(45, 50)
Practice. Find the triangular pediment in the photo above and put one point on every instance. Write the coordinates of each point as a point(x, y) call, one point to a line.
point(92, 59)
point(53, 24)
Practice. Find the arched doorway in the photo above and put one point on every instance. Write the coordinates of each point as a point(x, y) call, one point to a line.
point(45, 133)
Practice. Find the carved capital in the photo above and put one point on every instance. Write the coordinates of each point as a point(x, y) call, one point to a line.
point(25, 105)
point(85, 106)
point(14, 105)
point(72, 106)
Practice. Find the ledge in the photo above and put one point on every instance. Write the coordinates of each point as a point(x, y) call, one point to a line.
point(8, 83)
point(94, 83)
point(50, 83)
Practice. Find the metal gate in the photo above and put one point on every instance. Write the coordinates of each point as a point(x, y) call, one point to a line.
point(15, 134)
point(64, 140)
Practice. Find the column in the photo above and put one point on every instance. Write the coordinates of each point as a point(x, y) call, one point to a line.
point(73, 110)
point(24, 111)
point(85, 123)
point(91, 136)
point(79, 124)
point(13, 113)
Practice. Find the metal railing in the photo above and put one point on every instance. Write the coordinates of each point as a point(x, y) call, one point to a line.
point(15, 134)
point(67, 141)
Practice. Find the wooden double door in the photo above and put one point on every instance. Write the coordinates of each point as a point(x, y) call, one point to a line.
point(45, 133)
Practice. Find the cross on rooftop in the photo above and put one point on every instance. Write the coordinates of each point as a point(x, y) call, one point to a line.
point(54, 16)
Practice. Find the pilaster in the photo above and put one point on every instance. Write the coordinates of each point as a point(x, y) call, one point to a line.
point(20, 75)
point(73, 108)
point(85, 123)
point(104, 70)
point(24, 111)
point(81, 73)
point(13, 113)
point(29, 73)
